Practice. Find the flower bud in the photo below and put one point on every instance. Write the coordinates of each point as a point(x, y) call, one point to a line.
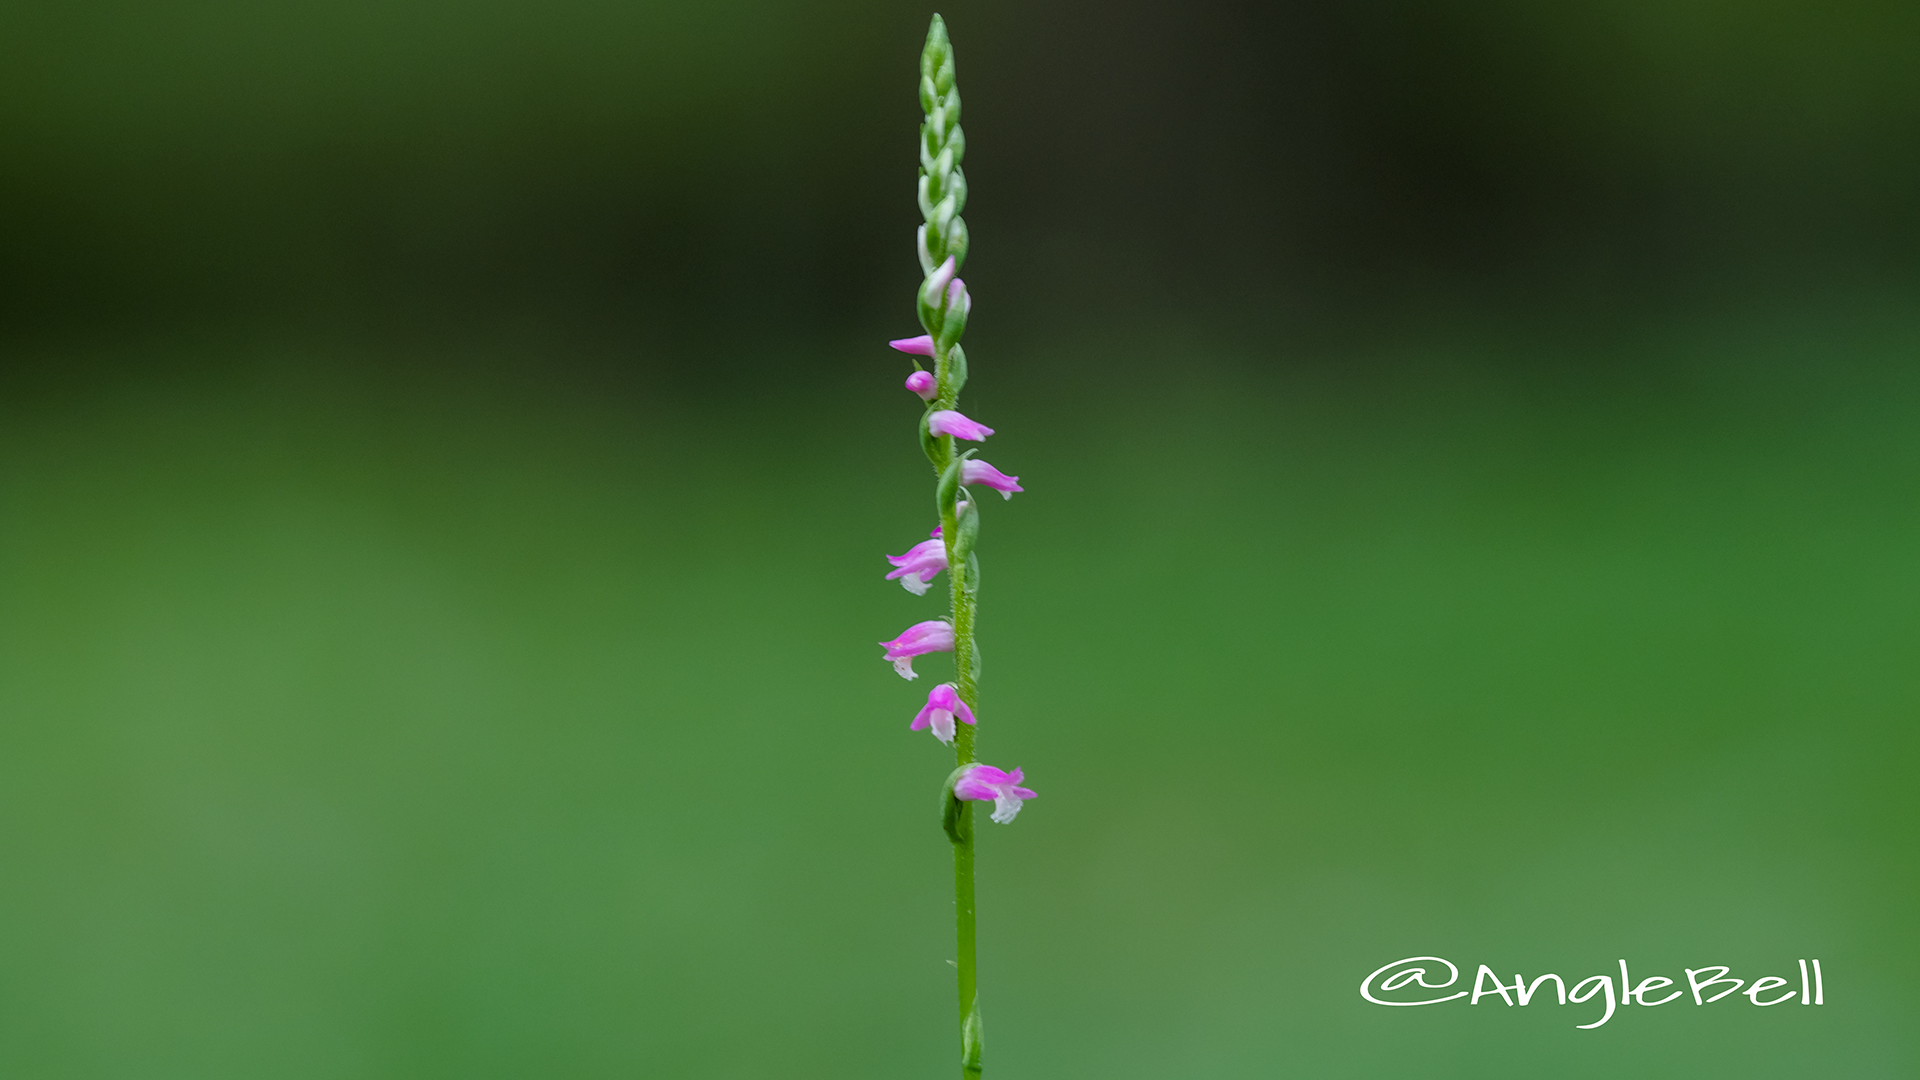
point(926, 254)
point(956, 304)
point(921, 382)
point(938, 281)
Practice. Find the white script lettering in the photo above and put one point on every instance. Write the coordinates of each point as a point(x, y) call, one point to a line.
point(1417, 975)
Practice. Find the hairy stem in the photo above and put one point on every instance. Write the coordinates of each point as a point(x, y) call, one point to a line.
point(963, 939)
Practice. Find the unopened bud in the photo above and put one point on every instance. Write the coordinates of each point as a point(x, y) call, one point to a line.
point(953, 314)
point(926, 256)
point(938, 281)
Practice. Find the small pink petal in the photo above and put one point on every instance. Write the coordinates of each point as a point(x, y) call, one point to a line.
point(979, 472)
point(919, 346)
point(948, 422)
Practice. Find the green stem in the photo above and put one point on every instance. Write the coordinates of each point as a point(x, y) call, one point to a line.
point(963, 939)
point(964, 600)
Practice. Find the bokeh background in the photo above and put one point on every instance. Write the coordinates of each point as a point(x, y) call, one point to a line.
point(446, 451)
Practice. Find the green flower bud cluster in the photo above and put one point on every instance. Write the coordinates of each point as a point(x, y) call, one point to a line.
point(942, 240)
point(943, 185)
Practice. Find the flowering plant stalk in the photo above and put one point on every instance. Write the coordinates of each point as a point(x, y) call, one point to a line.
point(943, 304)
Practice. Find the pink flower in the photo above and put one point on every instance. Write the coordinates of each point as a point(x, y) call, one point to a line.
point(935, 635)
point(979, 472)
point(984, 782)
point(920, 565)
point(921, 382)
point(948, 422)
point(943, 704)
point(919, 346)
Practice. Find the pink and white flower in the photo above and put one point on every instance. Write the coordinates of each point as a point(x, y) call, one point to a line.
point(921, 382)
point(979, 472)
point(934, 635)
point(940, 280)
point(984, 783)
point(920, 565)
point(948, 422)
point(943, 704)
point(918, 346)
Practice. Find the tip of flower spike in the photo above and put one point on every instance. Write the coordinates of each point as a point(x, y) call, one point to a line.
point(938, 44)
point(918, 346)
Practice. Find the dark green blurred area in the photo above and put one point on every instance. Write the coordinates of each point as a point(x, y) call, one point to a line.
point(638, 164)
point(446, 454)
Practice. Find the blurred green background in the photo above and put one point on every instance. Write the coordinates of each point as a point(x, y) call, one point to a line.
point(446, 452)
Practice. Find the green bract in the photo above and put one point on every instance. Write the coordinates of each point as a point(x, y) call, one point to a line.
point(953, 815)
point(946, 493)
point(943, 184)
